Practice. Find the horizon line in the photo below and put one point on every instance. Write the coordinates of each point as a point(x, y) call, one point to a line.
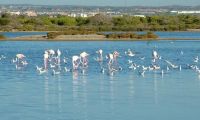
point(104, 5)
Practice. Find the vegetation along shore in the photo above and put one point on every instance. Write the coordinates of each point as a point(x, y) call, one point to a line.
point(91, 28)
point(100, 23)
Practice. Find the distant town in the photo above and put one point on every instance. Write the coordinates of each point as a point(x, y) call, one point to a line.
point(88, 11)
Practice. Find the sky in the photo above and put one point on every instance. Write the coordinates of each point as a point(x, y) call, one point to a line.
point(105, 2)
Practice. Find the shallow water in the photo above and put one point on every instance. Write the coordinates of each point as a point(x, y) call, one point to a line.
point(24, 94)
point(19, 34)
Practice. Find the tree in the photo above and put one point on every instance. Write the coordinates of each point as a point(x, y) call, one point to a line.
point(100, 19)
point(5, 15)
point(4, 21)
point(82, 21)
point(119, 21)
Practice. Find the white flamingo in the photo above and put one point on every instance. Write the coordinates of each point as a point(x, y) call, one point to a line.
point(130, 61)
point(155, 54)
point(100, 55)
point(67, 69)
point(132, 67)
point(58, 56)
point(75, 62)
point(83, 59)
point(14, 60)
point(129, 53)
point(111, 58)
point(102, 70)
point(46, 57)
point(144, 68)
point(41, 70)
point(167, 68)
point(52, 66)
point(65, 60)
point(155, 67)
point(196, 59)
point(55, 72)
point(142, 72)
point(162, 72)
point(24, 63)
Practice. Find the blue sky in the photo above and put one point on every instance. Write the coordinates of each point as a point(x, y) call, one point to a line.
point(104, 2)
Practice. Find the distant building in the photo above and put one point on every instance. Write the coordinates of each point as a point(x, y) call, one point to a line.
point(185, 12)
point(15, 13)
point(143, 16)
point(72, 15)
point(83, 15)
point(90, 14)
point(30, 13)
point(188, 12)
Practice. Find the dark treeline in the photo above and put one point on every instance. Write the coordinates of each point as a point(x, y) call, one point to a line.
point(53, 35)
point(113, 35)
point(131, 35)
point(100, 23)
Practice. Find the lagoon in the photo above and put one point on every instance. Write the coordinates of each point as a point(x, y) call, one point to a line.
point(24, 94)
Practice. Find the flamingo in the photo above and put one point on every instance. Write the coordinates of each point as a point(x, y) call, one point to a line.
point(24, 63)
point(102, 70)
point(83, 59)
point(55, 72)
point(51, 52)
point(130, 61)
point(20, 61)
point(2, 57)
point(142, 58)
point(129, 53)
point(142, 72)
point(162, 72)
point(65, 60)
point(58, 56)
point(167, 68)
point(75, 62)
point(67, 69)
point(41, 70)
point(111, 58)
point(100, 57)
point(181, 53)
point(52, 66)
point(38, 68)
point(113, 61)
point(198, 71)
point(132, 67)
point(196, 59)
point(151, 68)
point(14, 60)
point(115, 56)
point(46, 57)
point(155, 55)
point(155, 67)
point(144, 68)
point(172, 65)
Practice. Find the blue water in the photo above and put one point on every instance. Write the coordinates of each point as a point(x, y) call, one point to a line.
point(26, 95)
point(19, 34)
point(195, 35)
